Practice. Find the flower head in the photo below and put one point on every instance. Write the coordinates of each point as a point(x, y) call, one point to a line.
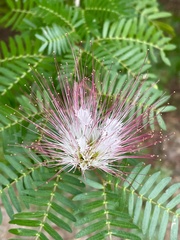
point(86, 130)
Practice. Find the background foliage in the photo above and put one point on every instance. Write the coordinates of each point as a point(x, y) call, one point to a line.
point(121, 32)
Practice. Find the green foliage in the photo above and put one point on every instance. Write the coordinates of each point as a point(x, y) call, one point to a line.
point(105, 210)
point(120, 38)
point(116, 36)
point(159, 202)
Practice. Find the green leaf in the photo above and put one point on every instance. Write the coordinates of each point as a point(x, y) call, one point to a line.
point(169, 47)
point(16, 165)
point(52, 232)
point(159, 15)
point(59, 222)
point(137, 211)
point(14, 199)
point(35, 201)
point(92, 228)
point(72, 180)
point(174, 202)
point(105, 29)
point(122, 224)
point(174, 228)
point(131, 203)
point(54, 38)
point(38, 192)
point(168, 193)
point(89, 206)
point(26, 215)
point(161, 122)
point(149, 183)
point(140, 177)
point(8, 171)
point(154, 221)
point(165, 27)
point(125, 235)
point(92, 183)
point(159, 187)
point(99, 236)
point(65, 200)
point(164, 58)
point(42, 237)
point(126, 29)
point(63, 211)
point(66, 187)
point(7, 205)
point(25, 222)
point(146, 217)
point(132, 175)
point(167, 109)
point(88, 195)
point(90, 217)
point(163, 225)
point(23, 232)
point(3, 180)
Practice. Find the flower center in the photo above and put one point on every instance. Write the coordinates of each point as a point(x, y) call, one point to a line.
point(96, 143)
point(86, 159)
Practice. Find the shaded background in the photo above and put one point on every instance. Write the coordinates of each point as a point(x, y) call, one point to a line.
point(170, 81)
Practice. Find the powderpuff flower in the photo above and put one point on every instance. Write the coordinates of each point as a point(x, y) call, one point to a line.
point(85, 130)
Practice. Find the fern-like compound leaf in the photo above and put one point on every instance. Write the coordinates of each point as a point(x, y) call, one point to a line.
point(150, 208)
